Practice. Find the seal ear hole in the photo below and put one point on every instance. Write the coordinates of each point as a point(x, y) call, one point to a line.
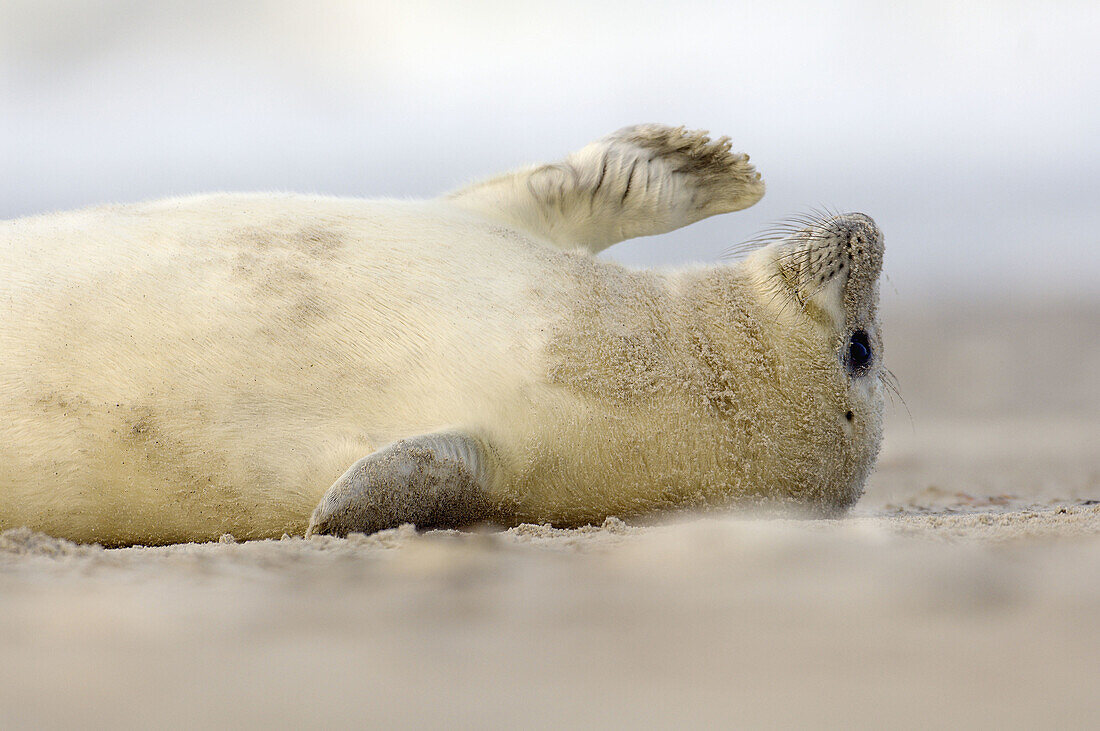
point(849, 416)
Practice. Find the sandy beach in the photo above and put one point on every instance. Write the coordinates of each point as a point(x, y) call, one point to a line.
point(963, 590)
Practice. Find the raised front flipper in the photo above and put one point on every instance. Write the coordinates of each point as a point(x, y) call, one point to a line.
point(433, 481)
point(639, 181)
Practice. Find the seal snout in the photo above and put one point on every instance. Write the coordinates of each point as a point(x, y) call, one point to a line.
point(846, 249)
point(828, 264)
point(861, 246)
point(862, 240)
point(832, 250)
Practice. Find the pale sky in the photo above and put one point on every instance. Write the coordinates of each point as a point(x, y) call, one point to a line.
point(969, 131)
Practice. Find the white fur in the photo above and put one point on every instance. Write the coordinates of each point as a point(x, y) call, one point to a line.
point(176, 370)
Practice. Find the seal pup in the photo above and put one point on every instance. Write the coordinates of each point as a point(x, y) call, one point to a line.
point(270, 364)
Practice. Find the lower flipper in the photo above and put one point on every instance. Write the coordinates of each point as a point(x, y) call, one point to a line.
point(433, 481)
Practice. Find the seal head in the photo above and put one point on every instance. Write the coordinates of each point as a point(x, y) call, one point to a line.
point(819, 283)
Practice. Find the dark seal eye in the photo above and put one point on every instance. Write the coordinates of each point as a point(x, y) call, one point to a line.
point(859, 351)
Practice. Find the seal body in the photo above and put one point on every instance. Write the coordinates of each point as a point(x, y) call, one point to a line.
point(181, 369)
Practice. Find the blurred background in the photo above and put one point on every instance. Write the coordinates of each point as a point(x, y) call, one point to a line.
point(969, 131)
